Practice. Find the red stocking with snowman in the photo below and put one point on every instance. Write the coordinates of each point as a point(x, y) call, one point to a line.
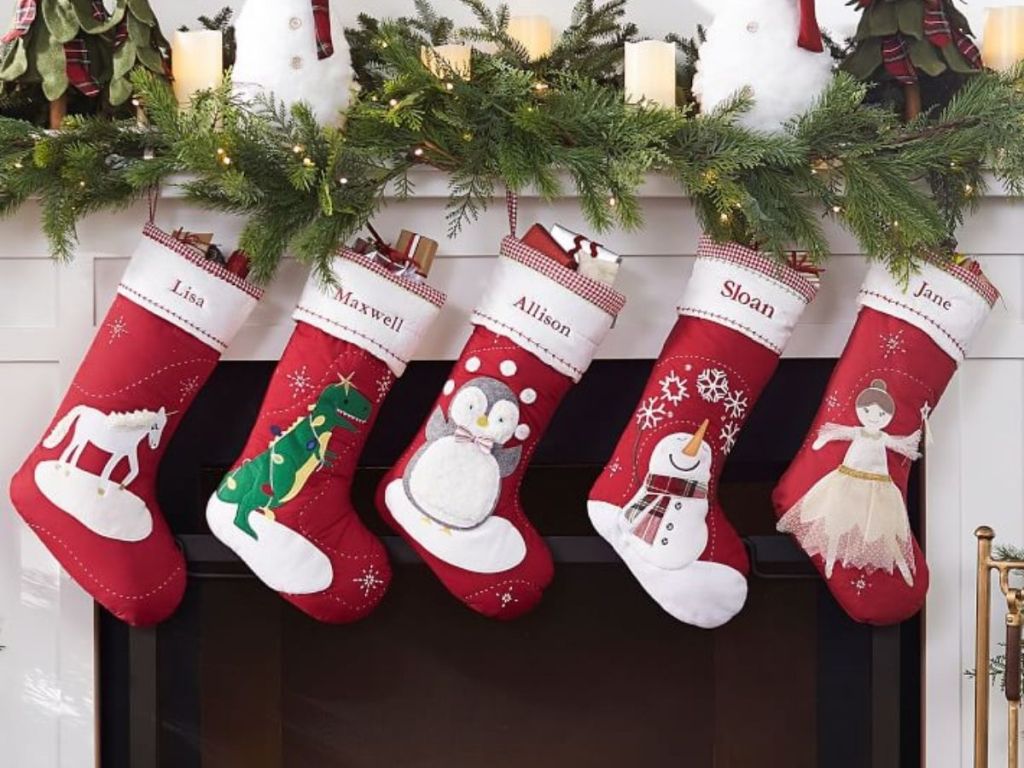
point(656, 502)
point(844, 496)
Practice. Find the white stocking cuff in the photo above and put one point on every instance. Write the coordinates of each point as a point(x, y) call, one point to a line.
point(176, 282)
point(747, 291)
point(371, 307)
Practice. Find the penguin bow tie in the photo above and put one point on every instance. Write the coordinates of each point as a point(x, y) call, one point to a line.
point(463, 435)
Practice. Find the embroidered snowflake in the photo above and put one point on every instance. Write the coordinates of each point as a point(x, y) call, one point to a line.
point(507, 598)
point(383, 387)
point(673, 388)
point(736, 404)
point(117, 328)
point(369, 580)
point(713, 385)
point(187, 387)
point(728, 436)
point(892, 344)
point(300, 382)
point(614, 468)
point(832, 401)
point(651, 413)
point(860, 584)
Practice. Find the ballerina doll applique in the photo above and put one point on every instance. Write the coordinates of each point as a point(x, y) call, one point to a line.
point(856, 515)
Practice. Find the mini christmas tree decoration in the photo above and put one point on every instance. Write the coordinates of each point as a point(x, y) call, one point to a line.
point(284, 508)
point(295, 50)
point(87, 490)
point(454, 494)
point(844, 496)
point(771, 48)
point(903, 42)
point(656, 502)
point(81, 44)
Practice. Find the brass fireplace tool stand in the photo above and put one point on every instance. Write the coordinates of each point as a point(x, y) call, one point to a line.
point(1014, 608)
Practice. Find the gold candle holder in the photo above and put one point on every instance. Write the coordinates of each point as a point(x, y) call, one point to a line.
point(1014, 620)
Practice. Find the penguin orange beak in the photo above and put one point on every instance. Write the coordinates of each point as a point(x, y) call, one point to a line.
point(693, 447)
point(482, 422)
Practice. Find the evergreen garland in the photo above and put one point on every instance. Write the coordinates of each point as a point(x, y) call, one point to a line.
point(900, 188)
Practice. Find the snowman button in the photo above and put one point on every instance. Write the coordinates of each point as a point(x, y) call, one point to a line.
point(679, 505)
point(294, 22)
point(664, 542)
point(296, 62)
point(670, 527)
point(752, 27)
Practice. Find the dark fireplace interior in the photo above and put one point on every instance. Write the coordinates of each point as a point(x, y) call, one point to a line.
point(597, 676)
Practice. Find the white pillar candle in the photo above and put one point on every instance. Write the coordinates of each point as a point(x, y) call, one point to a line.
point(442, 59)
point(651, 72)
point(1003, 43)
point(534, 33)
point(198, 62)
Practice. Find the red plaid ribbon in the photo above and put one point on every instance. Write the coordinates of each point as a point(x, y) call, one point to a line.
point(512, 205)
point(322, 22)
point(937, 31)
point(77, 57)
point(24, 15)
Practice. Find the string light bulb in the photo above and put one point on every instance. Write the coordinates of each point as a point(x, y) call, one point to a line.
point(308, 162)
point(298, 149)
point(18, 164)
point(968, 189)
point(226, 160)
point(449, 86)
point(837, 209)
point(612, 202)
point(724, 218)
point(393, 103)
point(418, 152)
point(343, 180)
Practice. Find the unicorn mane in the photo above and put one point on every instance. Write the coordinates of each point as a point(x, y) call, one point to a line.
point(131, 419)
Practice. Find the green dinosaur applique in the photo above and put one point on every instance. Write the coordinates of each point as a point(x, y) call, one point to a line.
point(276, 476)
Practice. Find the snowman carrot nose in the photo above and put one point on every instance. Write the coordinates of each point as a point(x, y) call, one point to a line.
point(693, 447)
point(482, 422)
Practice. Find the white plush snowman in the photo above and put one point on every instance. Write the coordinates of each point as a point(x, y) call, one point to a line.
point(455, 478)
point(295, 49)
point(771, 47)
point(666, 520)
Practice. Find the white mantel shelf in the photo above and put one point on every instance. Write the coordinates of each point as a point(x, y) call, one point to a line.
point(49, 313)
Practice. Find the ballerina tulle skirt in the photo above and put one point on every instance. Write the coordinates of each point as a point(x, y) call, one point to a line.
point(854, 518)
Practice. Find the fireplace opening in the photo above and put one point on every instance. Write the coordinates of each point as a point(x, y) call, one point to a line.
point(597, 676)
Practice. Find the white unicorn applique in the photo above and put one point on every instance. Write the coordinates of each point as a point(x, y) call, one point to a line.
point(100, 504)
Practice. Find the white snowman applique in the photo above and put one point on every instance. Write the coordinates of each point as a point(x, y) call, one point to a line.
point(447, 496)
point(666, 520)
